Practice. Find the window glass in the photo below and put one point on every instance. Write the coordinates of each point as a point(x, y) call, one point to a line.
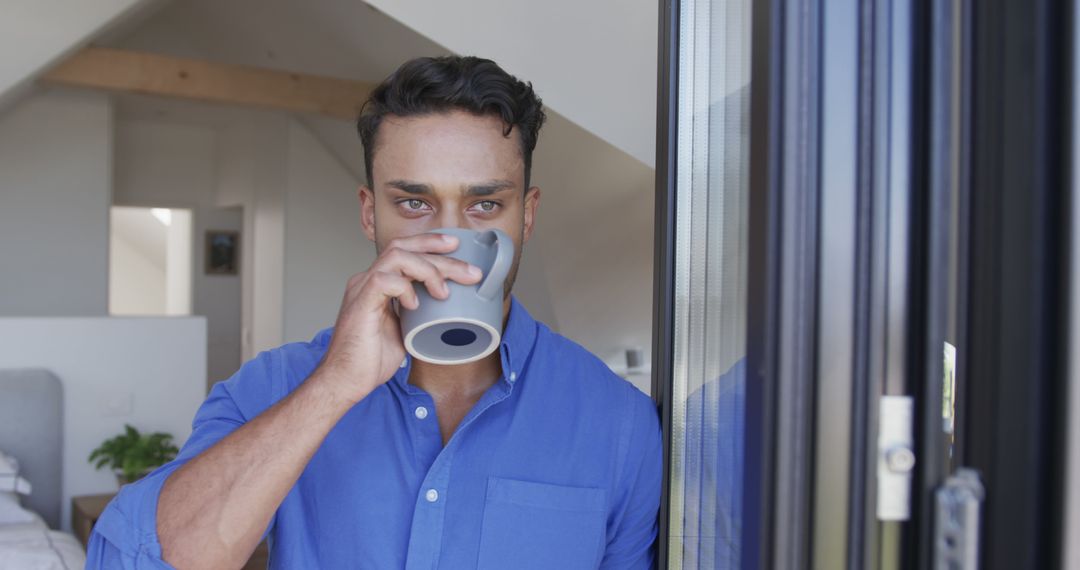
point(710, 284)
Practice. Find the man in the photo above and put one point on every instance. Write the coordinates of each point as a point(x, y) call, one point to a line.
point(349, 453)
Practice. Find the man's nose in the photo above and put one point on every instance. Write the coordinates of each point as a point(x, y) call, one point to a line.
point(451, 218)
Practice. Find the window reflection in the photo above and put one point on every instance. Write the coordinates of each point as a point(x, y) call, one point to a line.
point(712, 191)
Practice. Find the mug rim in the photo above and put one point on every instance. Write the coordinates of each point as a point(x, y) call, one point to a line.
point(496, 337)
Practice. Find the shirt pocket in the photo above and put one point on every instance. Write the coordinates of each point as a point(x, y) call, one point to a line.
point(539, 525)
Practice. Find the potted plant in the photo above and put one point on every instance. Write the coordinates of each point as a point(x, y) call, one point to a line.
point(132, 454)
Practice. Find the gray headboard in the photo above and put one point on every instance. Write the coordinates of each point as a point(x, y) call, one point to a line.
point(31, 430)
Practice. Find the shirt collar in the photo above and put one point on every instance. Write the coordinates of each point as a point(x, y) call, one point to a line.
point(519, 337)
point(515, 347)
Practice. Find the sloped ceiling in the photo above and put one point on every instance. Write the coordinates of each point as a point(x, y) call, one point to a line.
point(593, 61)
point(36, 34)
point(338, 38)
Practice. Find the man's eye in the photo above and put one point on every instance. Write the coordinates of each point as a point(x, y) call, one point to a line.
point(488, 205)
point(414, 204)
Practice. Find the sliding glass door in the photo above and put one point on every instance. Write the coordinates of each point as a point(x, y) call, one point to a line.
point(861, 224)
point(731, 372)
point(709, 313)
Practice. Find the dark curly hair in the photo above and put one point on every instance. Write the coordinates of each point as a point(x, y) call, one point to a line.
point(440, 84)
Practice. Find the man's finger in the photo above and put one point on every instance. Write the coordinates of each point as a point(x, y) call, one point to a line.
point(415, 267)
point(382, 286)
point(431, 269)
point(452, 268)
point(426, 243)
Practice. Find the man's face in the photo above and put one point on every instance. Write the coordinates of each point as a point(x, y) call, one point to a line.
point(452, 170)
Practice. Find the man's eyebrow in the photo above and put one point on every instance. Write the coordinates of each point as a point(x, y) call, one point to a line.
point(483, 189)
point(488, 188)
point(410, 187)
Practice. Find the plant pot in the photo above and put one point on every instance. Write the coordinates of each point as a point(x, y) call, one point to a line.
point(121, 480)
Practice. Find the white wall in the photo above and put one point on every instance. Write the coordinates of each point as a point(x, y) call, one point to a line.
point(235, 188)
point(218, 296)
point(55, 187)
point(594, 238)
point(146, 371)
point(593, 62)
point(136, 283)
point(280, 181)
point(268, 278)
point(164, 164)
point(252, 174)
point(174, 164)
point(324, 242)
point(178, 267)
point(150, 263)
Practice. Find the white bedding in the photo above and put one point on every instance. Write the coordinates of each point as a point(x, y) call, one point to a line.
point(34, 546)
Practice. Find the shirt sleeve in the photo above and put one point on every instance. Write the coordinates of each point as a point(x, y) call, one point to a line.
point(633, 545)
point(125, 535)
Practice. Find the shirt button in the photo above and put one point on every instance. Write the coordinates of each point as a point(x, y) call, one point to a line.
point(513, 376)
point(421, 412)
point(432, 495)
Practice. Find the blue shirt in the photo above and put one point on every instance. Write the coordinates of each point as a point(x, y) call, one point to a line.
point(558, 465)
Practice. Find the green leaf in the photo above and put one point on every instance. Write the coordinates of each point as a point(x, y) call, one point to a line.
point(134, 453)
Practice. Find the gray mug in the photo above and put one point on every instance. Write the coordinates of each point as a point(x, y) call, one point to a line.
point(467, 325)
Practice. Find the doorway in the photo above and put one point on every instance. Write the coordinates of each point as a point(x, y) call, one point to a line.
point(150, 261)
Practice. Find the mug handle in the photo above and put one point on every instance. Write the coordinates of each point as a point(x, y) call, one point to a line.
point(504, 257)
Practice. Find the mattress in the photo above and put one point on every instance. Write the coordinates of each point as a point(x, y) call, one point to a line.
point(34, 546)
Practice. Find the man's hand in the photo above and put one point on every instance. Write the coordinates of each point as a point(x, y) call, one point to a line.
point(366, 348)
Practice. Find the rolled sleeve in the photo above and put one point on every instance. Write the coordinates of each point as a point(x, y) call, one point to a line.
point(633, 545)
point(125, 535)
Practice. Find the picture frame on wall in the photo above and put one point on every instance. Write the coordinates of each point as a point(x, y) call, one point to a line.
point(222, 252)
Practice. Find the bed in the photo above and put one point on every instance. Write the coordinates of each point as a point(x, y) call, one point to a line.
point(31, 432)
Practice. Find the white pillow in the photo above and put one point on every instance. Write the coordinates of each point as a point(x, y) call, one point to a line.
point(10, 480)
point(11, 512)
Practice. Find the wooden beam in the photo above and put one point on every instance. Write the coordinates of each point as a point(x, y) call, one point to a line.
point(153, 74)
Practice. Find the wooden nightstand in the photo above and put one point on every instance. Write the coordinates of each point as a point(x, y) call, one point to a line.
point(86, 509)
